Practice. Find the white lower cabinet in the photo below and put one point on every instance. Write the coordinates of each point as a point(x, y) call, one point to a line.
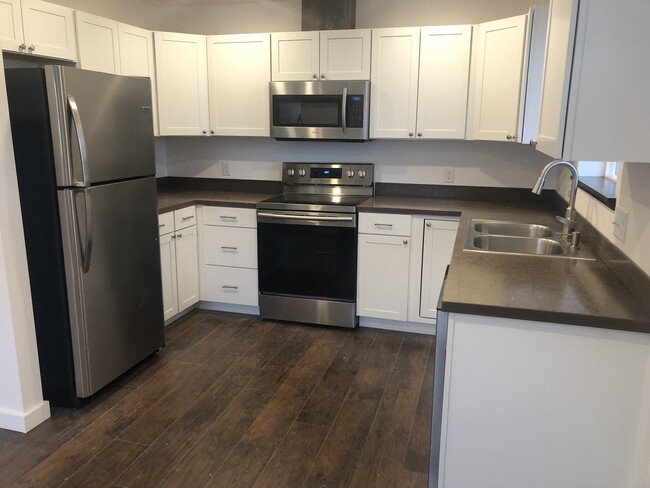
point(229, 256)
point(401, 265)
point(179, 261)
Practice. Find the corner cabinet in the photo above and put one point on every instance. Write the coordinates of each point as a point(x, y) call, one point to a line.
point(38, 28)
point(594, 75)
point(438, 246)
point(182, 82)
point(327, 55)
point(179, 260)
point(239, 71)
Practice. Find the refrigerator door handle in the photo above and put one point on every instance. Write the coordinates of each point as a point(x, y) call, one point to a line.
point(85, 248)
point(81, 141)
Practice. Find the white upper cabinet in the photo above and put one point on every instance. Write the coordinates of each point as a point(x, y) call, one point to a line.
point(99, 48)
point(497, 79)
point(182, 81)
point(137, 59)
point(239, 71)
point(295, 56)
point(326, 55)
point(37, 28)
point(345, 54)
point(601, 80)
point(444, 79)
point(394, 77)
point(556, 77)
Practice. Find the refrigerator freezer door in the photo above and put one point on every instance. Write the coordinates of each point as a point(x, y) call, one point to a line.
point(116, 310)
point(101, 126)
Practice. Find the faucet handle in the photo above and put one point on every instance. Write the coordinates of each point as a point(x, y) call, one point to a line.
point(570, 224)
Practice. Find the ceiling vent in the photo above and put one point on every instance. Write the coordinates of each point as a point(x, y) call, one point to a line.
point(328, 14)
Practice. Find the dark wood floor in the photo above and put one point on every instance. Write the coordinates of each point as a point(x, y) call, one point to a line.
point(234, 400)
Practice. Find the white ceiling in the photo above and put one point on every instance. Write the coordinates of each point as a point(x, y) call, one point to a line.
point(196, 3)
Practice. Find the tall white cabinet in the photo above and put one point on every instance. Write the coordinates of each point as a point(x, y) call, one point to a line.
point(239, 71)
point(37, 28)
point(99, 48)
point(182, 82)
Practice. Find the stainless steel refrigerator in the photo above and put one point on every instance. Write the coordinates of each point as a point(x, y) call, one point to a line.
point(83, 144)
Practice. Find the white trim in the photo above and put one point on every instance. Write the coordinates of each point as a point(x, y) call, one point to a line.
point(227, 307)
point(411, 327)
point(25, 421)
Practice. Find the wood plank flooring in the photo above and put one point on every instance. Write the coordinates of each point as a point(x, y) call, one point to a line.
point(236, 401)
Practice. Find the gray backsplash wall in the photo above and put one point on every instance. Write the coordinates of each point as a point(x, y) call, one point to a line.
point(476, 163)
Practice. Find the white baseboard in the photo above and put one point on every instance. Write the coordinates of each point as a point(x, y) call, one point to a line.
point(227, 307)
point(412, 327)
point(25, 421)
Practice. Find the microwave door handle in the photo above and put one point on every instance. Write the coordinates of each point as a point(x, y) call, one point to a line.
point(344, 110)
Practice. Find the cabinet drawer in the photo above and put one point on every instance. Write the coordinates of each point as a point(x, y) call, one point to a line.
point(184, 217)
point(166, 223)
point(230, 216)
point(229, 285)
point(386, 224)
point(230, 246)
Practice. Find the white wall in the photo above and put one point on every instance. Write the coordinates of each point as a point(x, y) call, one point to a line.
point(477, 163)
point(391, 13)
point(21, 401)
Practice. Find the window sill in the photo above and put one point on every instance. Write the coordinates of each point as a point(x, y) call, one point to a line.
point(601, 188)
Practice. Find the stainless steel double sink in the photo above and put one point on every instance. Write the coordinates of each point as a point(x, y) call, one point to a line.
point(503, 237)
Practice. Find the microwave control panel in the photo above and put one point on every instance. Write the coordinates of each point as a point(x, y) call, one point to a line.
point(355, 111)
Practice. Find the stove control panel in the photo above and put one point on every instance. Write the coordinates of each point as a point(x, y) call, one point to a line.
point(339, 174)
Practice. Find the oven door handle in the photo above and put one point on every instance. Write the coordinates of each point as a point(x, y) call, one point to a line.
point(324, 218)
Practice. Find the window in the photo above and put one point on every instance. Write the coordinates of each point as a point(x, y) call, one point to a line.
point(598, 179)
point(611, 170)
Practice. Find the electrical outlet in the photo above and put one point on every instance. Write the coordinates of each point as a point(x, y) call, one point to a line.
point(225, 168)
point(450, 173)
point(620, 223)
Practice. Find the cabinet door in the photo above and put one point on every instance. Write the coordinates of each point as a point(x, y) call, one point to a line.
point(294, 56)
point(345, 54)
point(498, 79)
point(99, 48)
point(556, 76)
point(49, 30)
point(182, 81)
point(383, 275)
point(444, 80)
point(394, 77)
point(187, 267)
point(11, 25)
point(239, 71)
point(439, 239)
point(137, 59)
point(168, 269)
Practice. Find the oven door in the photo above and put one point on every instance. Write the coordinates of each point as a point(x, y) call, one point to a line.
point(335, 110)
point(310, 255)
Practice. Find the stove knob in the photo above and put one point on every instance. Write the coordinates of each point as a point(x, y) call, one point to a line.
point(291, 172)
point(350, 173)
point(361, 173)
point(302, 172)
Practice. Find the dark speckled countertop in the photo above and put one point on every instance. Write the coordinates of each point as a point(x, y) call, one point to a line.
point(522, 287)
point(535, 288)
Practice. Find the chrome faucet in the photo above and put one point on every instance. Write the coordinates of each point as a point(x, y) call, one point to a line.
point(568, 222)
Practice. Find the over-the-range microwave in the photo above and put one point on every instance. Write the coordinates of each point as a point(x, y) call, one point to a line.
point(327, 110)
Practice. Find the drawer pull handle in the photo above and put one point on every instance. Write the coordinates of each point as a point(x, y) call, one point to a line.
point(230, 287)
point(227, 217)
point(383, 225)
point(229, 248)
point(187, 218)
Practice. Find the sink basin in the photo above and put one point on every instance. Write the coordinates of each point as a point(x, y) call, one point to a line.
point(516, 229)
point(519, 245)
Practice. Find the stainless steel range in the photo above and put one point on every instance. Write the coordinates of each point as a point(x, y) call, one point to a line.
point(307, 243)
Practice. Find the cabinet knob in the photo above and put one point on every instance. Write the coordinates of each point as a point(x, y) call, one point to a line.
point(405, 242)
point(179, 235)
point(410, 134)
point(173, 237)
point(429, 225)
point(419, 134)
point(315, 76)
point(322, 75)
point(211, 132)
point(533, 143)
point(31, 48)
point(511, 138)
point(22, 47)
point(205, 131)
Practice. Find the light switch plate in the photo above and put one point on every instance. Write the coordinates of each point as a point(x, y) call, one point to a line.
point(620, 223)
point(225, 168)
point(450, 174)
